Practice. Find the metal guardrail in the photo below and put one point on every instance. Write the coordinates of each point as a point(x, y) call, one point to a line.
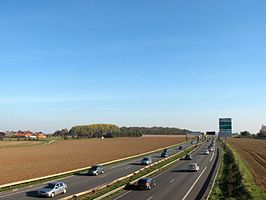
point(101, 187)
point(39, 179)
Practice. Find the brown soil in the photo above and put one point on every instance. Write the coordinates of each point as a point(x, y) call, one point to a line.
point(21, 163)
point(254, 153)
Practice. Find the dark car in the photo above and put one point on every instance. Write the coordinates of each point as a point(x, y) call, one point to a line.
point(188, 157)
point(146, 161)
point(146, 183)
point(164, 154)
point(180, 147)
point(95, 170)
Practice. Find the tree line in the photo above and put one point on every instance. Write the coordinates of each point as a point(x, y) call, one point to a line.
point(110, 131)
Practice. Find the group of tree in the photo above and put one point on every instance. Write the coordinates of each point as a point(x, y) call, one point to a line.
point(247, 134)
point(110, 131)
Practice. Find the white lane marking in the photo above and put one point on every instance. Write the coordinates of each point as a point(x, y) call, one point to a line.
point(212, 157)
point(194, 184)
point(172, 180)
point(8, 195)
point(122, 195)
point(119, 165)
point(149, 198)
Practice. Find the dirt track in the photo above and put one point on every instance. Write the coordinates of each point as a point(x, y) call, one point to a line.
point(254, 153)
point(20, 163)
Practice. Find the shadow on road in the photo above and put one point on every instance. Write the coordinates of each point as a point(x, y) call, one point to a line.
point(33, 194)
point(135, 164)
point(180, 170)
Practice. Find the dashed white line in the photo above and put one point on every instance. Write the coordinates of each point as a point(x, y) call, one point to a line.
point(8, 195)
point(122, 195)
point(102, 176)
point(194, 184)
point(149, 198)
point(212, 157)
point(172, 180)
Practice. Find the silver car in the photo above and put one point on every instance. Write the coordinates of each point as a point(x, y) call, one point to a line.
point(193, 167)
point(95, 170)
point(53, 189)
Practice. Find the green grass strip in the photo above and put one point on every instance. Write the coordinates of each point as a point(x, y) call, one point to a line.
point(234, 180)
point(136, 176)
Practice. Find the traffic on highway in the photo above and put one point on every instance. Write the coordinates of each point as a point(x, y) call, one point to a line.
point(185, 180)
point(94, 177)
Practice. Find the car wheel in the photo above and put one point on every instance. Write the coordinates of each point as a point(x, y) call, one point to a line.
point(96, 174)
point(149, 188)
point(52, 195)
point(102, 172)
point(64, 191)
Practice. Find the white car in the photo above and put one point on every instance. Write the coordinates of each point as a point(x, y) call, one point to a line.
point(206, 152)
point(193, 167)
point(211, 149)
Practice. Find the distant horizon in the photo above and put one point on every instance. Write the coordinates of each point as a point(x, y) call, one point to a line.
point(51, 132)
point(178, 64)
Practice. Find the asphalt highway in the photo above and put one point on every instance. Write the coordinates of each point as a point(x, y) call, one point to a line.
point(177, 183)
point(82, 182)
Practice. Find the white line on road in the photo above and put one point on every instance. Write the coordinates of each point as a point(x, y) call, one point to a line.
point(116, 166)
point(122, 195)
point(212, 157)
point(8, 195)
point(102, 176)
point(194, 184)
point(172, 180)
point(149, 198)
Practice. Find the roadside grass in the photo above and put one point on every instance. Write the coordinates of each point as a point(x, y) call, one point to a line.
point(234, 180)
point(248, 180)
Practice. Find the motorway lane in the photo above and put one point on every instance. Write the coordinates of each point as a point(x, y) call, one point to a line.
point(176, 183)
point(82, 182)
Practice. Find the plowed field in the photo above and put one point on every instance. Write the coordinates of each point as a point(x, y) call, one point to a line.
point(20, 163)
point(254, 153)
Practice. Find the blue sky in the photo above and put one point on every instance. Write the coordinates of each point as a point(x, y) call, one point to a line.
point(134, 63)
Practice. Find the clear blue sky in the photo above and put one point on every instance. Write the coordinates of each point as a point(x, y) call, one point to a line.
point(135, 63)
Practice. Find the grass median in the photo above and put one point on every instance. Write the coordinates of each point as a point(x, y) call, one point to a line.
point(120, 184)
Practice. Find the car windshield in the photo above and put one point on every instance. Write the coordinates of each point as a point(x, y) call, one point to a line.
point(94, 168)
point(50, 186)
point(146, 159)
point(142, 181)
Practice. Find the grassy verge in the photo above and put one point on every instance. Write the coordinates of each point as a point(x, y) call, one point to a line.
point(234, 180)
point(155, 168)
point(248, 181)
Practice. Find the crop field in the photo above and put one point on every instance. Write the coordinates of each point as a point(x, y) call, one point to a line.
point(254, 153)
point(14, 143)
point(20, 163)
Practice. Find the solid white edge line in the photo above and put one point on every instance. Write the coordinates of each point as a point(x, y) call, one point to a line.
point(8, 195)
point(149, 198)
point(212, 157)
point(194, 184)
point(122, 195)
